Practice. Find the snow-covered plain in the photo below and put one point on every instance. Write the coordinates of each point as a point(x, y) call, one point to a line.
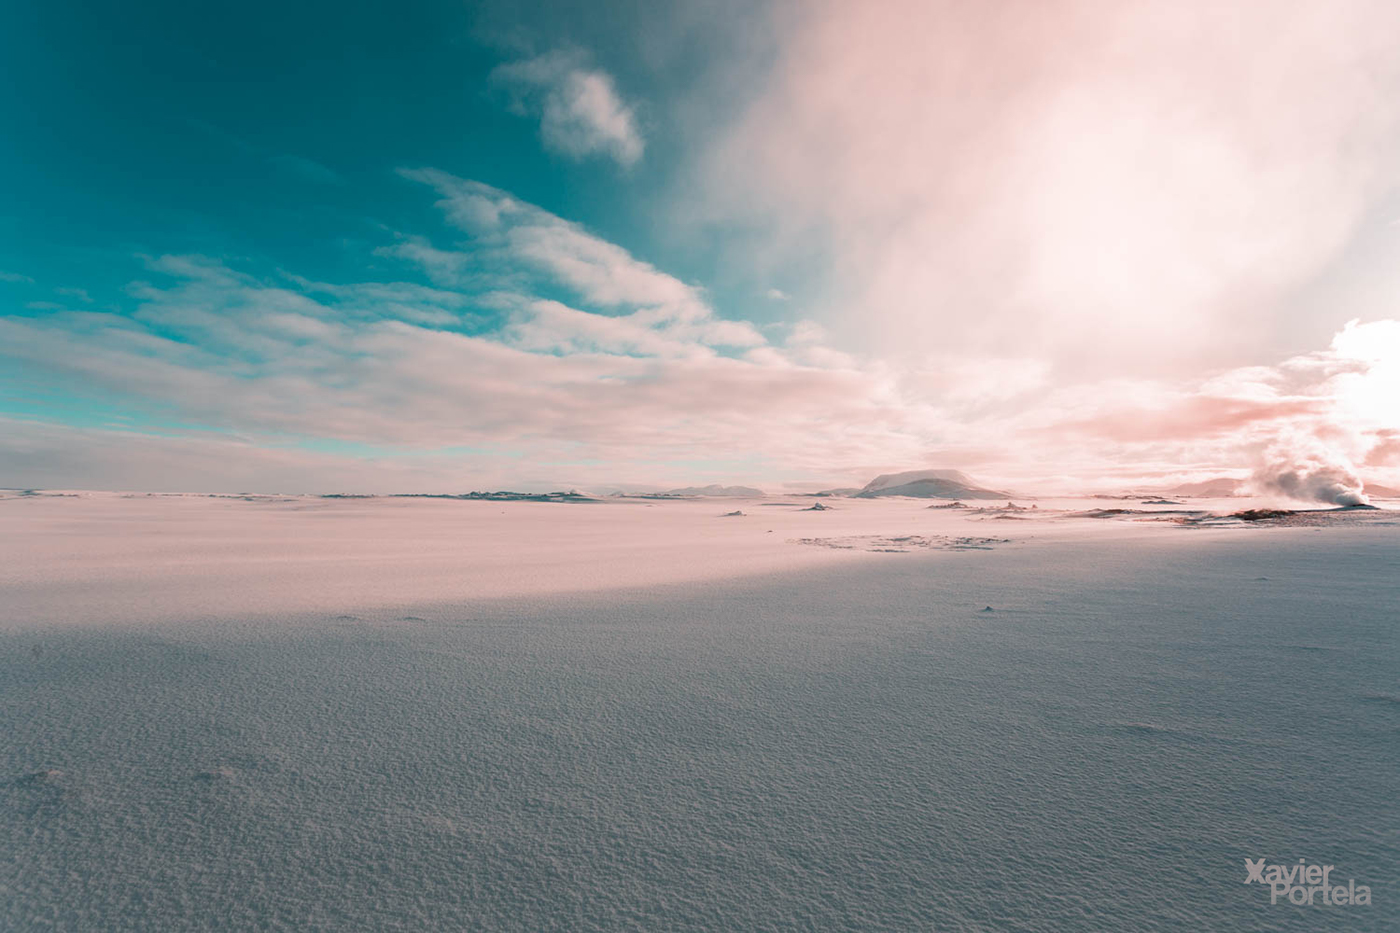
point(348, 714)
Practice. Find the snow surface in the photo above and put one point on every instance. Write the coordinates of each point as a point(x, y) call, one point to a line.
point(305, 714)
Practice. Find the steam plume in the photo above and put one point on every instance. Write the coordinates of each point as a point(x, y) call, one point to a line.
point(1311, 474)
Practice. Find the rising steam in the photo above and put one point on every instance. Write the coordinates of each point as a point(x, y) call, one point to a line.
point(1309, 473)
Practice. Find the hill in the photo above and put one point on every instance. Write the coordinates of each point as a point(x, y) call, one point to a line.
point(1222, 487)
point(733, 492)
point(928, 484)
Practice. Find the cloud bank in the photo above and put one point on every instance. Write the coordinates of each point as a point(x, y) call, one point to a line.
point(1120, 188)
point(542, 354)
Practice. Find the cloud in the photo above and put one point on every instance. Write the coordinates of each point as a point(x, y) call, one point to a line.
point(1195, 416)
point(519, 240)
point(1386, 452)
point(578, 107)
point(225, 351)
point(649, 378)
point(15, 278)
point(1318, 414)
point(61, 457)
point(583, 396)
point(445, 267)
point(543, 353)
point(1114, 190)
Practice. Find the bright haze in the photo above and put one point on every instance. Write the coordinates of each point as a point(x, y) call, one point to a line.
point(1059, 246)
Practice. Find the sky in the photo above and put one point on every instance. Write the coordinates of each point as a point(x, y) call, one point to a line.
point(1062, 246)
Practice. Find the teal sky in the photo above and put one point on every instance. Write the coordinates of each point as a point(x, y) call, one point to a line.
point(272, 131)
point(438, 245)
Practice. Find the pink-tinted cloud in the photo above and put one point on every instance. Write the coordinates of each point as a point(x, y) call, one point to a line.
point(399, 385)
point(1193, 417)
point(1116, 188)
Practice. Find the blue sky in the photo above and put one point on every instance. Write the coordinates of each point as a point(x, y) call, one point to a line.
point(444, 245)
point(273, 131)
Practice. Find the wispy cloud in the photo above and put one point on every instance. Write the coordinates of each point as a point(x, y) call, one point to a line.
point(229, 351)
point(651, 375)
point(15, 278)
point(513, 235)
point(578, 106)
point(632, 378)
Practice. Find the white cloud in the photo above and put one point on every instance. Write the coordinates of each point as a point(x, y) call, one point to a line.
point(1111, 187)
point(493, 362)
point(515, 236)
point(578, 106)
point(444, 267)
point(237, 359)
point(581, 393)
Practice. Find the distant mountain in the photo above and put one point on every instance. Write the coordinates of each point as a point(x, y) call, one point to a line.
point(500, 495)
point(843, 492)
point(733, 492)
point(1222, 487)
point(1382, 492)
point(928, 484)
